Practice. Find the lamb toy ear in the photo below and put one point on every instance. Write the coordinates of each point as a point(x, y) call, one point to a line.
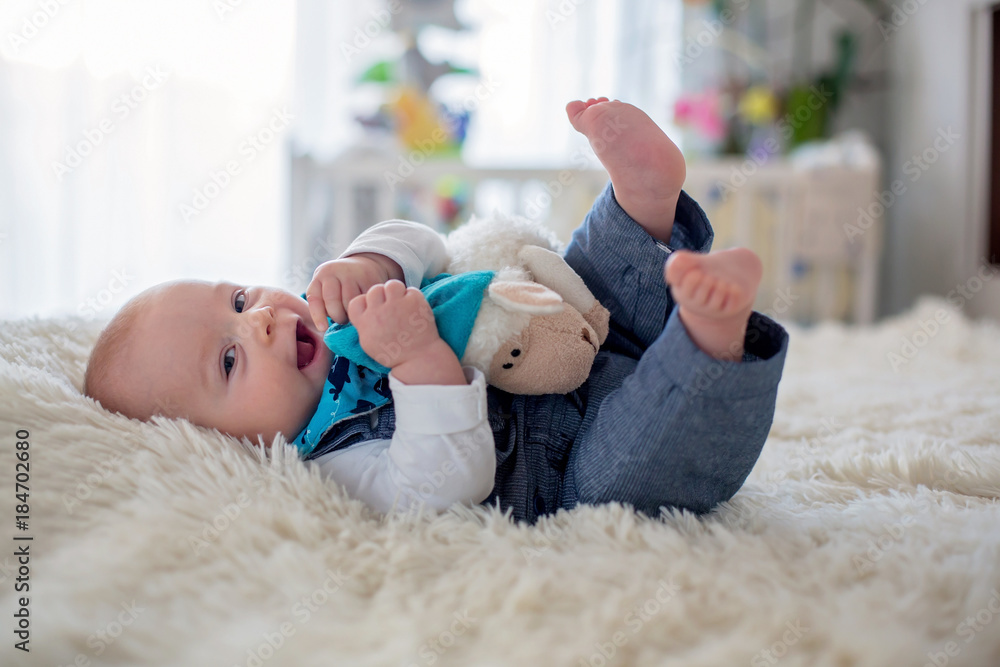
point(551, 270)
point(525, 297)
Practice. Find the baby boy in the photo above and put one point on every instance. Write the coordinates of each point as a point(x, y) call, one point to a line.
point(675, 411)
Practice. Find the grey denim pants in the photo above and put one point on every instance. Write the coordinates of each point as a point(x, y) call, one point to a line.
point(658, 422)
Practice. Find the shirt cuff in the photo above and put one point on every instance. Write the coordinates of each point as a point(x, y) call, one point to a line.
point(415, 247)
point(766, 343)
point(434, 409)
point(691, 229)
point(406, 260)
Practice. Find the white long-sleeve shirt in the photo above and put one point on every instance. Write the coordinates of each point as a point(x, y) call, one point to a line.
point(442, 450)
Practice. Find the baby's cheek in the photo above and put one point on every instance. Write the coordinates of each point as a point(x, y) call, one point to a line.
point(298, 410)
point(317, 389)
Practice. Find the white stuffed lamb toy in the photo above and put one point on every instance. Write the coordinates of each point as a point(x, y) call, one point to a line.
point(539, 327)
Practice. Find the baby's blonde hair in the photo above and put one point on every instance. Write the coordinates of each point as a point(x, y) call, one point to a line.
point(107, 363)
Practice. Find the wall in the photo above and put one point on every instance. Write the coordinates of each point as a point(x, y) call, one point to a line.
point(919, 80)
point(936, 237)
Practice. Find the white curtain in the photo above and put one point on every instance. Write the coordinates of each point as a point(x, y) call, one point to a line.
point(164, 95)
point(114, 116)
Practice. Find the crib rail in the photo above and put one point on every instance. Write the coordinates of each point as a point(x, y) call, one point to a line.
point(815, 229)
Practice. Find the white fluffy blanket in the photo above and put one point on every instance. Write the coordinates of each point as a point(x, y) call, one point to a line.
point(867, 534)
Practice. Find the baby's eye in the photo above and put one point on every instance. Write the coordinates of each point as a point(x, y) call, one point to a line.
point(241, 301)
point(228, 361)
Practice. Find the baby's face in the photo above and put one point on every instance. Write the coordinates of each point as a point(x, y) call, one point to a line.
point(231, 357)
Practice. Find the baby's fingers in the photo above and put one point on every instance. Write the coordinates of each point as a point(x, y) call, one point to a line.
point(356, 308)
point(376, 295)
point(394, 289)
point(316, 310)
point(349, 290)
point(325, 301)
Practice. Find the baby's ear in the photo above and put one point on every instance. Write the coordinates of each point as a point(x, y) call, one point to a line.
point(525, 297)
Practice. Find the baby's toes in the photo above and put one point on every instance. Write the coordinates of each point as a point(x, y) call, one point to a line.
point(689, 282)
point(678, 266)
point(357, 307)
point(735, 300)
point(703, 291)
point(717, 298)
point(740, 297)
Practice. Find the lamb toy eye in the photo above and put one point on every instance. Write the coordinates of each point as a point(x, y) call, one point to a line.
point(513, 353)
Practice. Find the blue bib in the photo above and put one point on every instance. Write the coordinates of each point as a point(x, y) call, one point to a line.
point(357, 384)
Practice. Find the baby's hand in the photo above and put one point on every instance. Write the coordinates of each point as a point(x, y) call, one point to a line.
point(337, 282)
point(395, 323)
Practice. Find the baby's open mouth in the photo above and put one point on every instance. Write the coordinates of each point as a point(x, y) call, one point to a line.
point(305, 345)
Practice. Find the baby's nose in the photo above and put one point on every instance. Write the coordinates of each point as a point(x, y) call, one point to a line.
point(264, 320)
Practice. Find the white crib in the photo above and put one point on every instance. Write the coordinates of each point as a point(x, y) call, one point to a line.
point(820, 262)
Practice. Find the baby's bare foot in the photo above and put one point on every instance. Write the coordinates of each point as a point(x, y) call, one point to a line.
point(715, 294)
point(646, 168)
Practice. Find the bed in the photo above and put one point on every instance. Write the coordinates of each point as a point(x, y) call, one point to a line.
point(867, 534)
